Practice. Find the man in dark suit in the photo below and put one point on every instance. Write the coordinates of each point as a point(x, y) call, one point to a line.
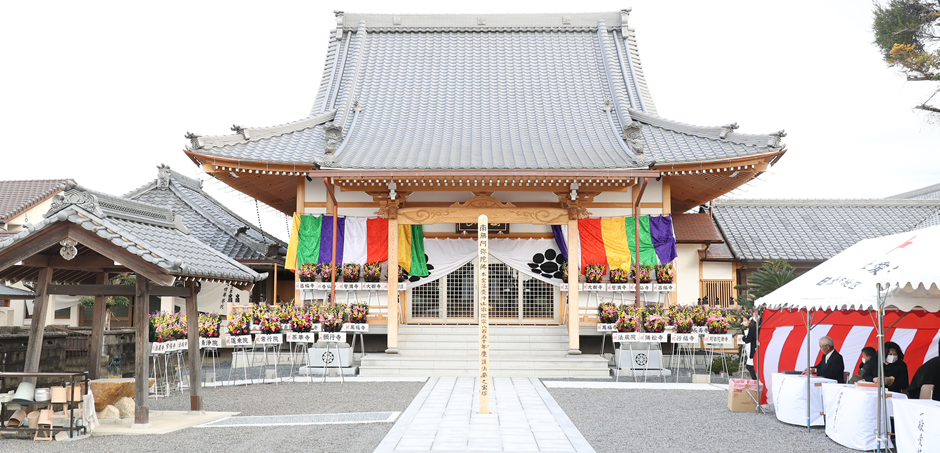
point(928, 373)
point(830, 365)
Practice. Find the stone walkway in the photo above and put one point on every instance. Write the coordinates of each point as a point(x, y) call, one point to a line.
point(445, 416)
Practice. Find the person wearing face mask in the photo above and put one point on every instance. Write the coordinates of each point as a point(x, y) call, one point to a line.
point(896, 378)
point(868, 369)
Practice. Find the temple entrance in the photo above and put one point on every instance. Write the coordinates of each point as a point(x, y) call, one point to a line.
point(515, 298)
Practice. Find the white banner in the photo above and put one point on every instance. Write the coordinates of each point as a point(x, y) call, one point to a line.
point(355, 327)
point(445, 256)
point(316, 327)
point(537, 258)
point(333, 337)
point(375, 286)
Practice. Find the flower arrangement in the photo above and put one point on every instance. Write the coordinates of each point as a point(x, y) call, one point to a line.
point(607, 313)
point(593, 273)
point(665, 273)
point(285, 313)
point(238, 324)
point(301, 319)
point(402, 274)
point(683, 324)
point(646, 273)
point(564, 271)
point(619, 276)
point(628, 323)
point(331, 318)
point(209, 325)
point(357, 313)
point(372, 272)
point(717, 324)
point(326, 271)
point(309, 272)
point(168, 326)
point(654, 323)
point(699, 316)
point(270, 322)
point(351, 273)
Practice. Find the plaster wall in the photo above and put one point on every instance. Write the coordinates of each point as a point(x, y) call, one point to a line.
point(717, 270)
point(30, 216)
point(687, 282)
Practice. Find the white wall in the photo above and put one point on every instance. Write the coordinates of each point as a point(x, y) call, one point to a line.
point(31, 216)
point(687, 282)
point(717, 270)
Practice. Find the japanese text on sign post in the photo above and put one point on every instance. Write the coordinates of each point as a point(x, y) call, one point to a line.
point(483, 254)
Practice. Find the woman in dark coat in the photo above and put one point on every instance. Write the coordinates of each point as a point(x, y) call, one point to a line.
point(750, 338)
point(896, 377)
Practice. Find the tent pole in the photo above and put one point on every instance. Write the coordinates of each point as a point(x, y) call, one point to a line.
point(757, 355)
point(808, 366)
point(881, 369)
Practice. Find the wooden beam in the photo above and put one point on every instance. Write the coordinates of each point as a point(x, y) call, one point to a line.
point(132, 261)
point(35, 243)
point(574, 304)
point(38, 327)
point(141, 360)
point(392, 287)
point(458, 214)
point(92, 290)
point(82, 262)
point(492, 236)
point(195, 359)
point(167, 291)
point(97, 330)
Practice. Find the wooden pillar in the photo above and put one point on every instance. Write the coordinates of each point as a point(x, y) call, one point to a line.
point(392, 286)
point(195, 359)
point(38, 327)
point(301, 199)
point(141, 364)
point(96, 347)
point(574, 266)
point(667, 209)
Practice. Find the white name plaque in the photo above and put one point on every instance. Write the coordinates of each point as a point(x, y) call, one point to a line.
point(715, 338)
point(316, 327)
point(333, 337)
point(647, 337)
point(667, 287)
point(700, 329)
point(205, 342)
point(375, 286)
point(344, 286)
point(158, 348)
point(305, 285)
point(622, 337)
point(605, 327)
point(269, 338)
point(355, 327)
point(592, 286)
point(621, 287)
point(239, 340)
point(301, 337)
point(685, 338)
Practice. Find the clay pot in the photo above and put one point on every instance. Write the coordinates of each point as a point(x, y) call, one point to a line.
point(33, 419)
point(17, 418)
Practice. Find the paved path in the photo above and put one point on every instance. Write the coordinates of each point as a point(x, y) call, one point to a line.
point(444, 416)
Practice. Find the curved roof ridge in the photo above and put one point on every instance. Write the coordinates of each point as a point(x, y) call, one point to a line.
point(916, 192)
point(213, 219)
point(254, 134)
point(485, 22)
point(725, 132)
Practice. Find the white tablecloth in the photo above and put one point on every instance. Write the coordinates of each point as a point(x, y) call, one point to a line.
point(917, 425)
point(789, 395)
point(852, 415)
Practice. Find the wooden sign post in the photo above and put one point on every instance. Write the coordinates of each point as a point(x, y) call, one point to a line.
point(483, 255)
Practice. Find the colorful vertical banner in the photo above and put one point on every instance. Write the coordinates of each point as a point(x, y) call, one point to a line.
point(647, 251)
point(411, 250)
point(615, 243)
point(592, 243)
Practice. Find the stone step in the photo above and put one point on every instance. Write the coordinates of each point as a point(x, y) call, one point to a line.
point(536, 373)
point(472, 346)
point(519, 366)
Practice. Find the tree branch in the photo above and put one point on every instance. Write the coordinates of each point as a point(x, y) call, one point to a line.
point(927, 108)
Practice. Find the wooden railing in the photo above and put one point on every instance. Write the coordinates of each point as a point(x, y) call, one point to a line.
point(719, 292)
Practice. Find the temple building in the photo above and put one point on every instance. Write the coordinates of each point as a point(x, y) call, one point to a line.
point(543, 122)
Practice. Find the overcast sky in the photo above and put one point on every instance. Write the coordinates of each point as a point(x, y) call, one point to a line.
point(103, 92)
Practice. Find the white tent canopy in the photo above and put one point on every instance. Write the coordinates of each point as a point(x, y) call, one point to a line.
point(904, 264)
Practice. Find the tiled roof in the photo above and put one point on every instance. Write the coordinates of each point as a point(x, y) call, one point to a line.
point(208, 220)
point(717, 252)
point(695, 228)
point(18, 196)
point(813, 230)
point(508, 91)
point(153, 233)
point(8, 292)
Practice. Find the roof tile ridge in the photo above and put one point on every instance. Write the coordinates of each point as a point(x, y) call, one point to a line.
point(218, 223)
point(344, 112)
point(256, 134)
point(832, 202)
point(227, 258)
point(480, 22)
point(329, 70)
point(59, 180)
point(29, 203)
point(643, 89)
point(712, 132)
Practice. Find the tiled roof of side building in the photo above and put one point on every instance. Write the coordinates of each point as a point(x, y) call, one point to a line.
point(695, 229)
point(153, 233)
point(9, 291)
point(813, 230)
point(924, 193)
point(18, 196)
point(210, 221)
point(507, 91)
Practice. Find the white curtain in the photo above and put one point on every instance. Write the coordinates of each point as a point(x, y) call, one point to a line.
point(519, 253)
point(446, 256)
point(209, 297)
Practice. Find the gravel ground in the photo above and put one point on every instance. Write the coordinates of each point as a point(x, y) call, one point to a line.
point(260, 399)
point(681, 420)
